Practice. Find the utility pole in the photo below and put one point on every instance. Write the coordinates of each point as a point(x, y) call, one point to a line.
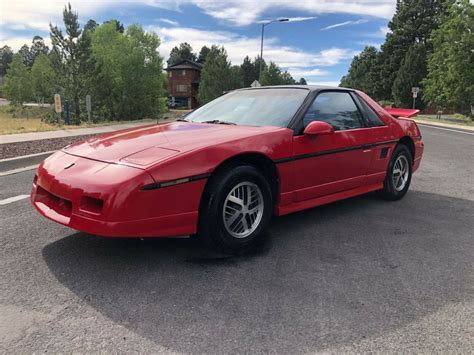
point(261, 43)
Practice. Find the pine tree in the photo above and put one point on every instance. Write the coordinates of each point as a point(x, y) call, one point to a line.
point(203, 54)
point(67, 50)
point(364, 73)
point(302, 81)
point(412, 71)
point(182, 52)
point(413, 23)
point(248, 72)
point(274, 76)
point(214, 75)
point(236, 78)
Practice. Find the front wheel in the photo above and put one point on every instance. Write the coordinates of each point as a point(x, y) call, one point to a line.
point(236, 208)
point(398, 178)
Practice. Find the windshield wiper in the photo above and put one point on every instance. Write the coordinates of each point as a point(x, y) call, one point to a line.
point(182, 120)
point(220, 122)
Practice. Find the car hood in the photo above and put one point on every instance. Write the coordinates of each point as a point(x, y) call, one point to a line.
point(148, 145)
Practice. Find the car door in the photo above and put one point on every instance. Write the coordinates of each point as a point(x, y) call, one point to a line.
point(327, 164)
point(381, 138)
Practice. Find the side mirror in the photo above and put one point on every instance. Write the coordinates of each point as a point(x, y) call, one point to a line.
point(315, 128)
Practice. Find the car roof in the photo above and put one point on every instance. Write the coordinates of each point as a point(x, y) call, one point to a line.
point(305, 87)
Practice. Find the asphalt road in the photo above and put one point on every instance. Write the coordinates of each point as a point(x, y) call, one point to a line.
point(358, 275)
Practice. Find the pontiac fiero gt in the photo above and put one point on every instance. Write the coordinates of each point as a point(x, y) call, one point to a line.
point(224, 170)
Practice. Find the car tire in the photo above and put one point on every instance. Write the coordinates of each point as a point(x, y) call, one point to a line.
point(398, 178)
point(235, 210)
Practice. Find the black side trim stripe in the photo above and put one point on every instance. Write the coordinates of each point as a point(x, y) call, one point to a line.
point(332, 151)
point(158, 185)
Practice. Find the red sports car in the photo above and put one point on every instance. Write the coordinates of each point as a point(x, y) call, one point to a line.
point(224, 170)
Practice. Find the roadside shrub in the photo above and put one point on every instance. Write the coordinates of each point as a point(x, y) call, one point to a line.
point(386, 103)
point(50, 117)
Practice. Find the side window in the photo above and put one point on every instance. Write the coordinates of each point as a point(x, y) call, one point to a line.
point(336, 108)
point(369, 114)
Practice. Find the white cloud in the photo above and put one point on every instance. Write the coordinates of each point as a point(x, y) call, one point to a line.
point(293, 19)
point(325, 83)
point(239, 46)
point(381, 33)
point(346, 23)
point(370, 44)
point(16, 42)
point(307, 72)
point(31, 14)
point(299, 19)
point(245, 12)
point(298, 62)
point(168, 21)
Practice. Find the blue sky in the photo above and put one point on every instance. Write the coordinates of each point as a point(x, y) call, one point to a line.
point(317, 43)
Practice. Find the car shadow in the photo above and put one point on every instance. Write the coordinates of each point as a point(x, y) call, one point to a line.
point(326, 277)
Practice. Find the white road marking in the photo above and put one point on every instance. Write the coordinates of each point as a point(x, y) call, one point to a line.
point(19, 170)
point(13, 199)
point(445, 129)
point(27, 156)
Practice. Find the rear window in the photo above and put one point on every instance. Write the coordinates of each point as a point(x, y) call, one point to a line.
point(369, 114)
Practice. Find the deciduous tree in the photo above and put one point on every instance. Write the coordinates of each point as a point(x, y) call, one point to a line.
point(128, 80)
point(6, 57)
point(450, 80)
point(17, 87)
point(43, 79)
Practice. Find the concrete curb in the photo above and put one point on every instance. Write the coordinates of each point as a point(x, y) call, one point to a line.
point(443, 125)
point(76, 132)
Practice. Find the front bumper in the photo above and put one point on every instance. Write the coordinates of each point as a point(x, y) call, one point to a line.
point(105, 199)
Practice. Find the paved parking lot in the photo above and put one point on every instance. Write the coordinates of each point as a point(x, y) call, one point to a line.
point(358, 275)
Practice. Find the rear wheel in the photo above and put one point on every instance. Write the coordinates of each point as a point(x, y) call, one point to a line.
point(397, 181)
point(236, 208)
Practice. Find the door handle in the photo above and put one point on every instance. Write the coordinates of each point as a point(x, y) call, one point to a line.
point(366, 146)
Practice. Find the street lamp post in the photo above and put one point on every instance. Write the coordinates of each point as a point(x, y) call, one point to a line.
point(261, 43)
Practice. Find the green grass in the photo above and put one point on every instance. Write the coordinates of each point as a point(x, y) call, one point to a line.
point(448, 119)
point(28, 119)
point(23, 120)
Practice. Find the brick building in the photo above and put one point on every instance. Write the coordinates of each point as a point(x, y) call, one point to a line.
point(183, 83)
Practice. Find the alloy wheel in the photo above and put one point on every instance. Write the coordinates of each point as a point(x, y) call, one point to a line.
point(243, 209)
point(400, 173)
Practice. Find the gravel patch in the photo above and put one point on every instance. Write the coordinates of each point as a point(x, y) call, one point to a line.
point(10, 150)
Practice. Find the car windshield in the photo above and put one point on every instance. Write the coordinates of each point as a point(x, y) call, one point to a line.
point(257, 107)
